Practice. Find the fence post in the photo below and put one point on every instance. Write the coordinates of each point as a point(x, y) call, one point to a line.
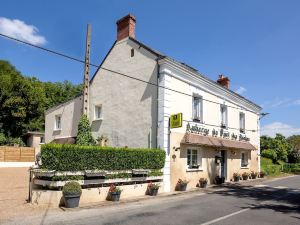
point(30, 186)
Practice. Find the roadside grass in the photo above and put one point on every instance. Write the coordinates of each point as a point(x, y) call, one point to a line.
point(280, 168)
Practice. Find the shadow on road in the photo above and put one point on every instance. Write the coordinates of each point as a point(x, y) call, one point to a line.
point(280, 200)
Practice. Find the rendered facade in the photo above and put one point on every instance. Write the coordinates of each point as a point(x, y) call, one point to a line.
point(220, 129)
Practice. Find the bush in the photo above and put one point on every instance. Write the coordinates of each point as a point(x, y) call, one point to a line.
point(72, 188)
point(84, 135)
point(270, 154)
point(74, 157)
point(2, 139)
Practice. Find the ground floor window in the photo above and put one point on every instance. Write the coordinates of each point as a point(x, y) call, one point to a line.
point(194, 159)
point(244, 159)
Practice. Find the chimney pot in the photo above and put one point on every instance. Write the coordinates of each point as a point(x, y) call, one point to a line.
point(224, 81)
point(126, 27)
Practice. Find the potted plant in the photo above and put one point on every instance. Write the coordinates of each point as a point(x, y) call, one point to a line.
point(253, 174)
point(236, 177)
point(245, 176)
point(219, 180)
point(203, 182)
point(262, 174)
point(114, 193)
point(72, 192)
point(152, 189)
point(181, 185)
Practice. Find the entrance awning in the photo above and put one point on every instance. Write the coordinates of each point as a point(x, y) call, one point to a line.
point(196, 139)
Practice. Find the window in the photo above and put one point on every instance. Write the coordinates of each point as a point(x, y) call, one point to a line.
point(132, 52)
point(42, 140)
point(197, 108)
point(57, 122)
point(223, 116)
point(244, 159)
point(98, 112)
point(194, 160)
point(242, 122)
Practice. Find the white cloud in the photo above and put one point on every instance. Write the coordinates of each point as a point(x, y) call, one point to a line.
point(20, 30)
point(241, 90)
point(296, 102)
point(278, 127)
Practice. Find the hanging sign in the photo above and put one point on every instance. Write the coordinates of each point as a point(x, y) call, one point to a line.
point(176, 120)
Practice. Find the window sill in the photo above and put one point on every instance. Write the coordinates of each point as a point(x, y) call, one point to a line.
point(99, 119)
point(57, 129)
point(194, 170)
point(245, 167)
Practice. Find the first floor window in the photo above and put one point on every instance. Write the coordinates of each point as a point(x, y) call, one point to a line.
point(193, 159)
point(98, 112)
point(57, 125)
point(244, 159)
point(197, 108)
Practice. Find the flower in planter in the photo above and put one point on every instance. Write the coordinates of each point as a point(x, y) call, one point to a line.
point(203, 182)
point(236, 177)
point(181, 184)
point(152, 189)
point(219, 180)
point(253, 174)
point(245, 176)
point(262, 174)
point(114, 193)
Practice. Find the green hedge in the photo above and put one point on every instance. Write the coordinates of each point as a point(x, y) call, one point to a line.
point(75, 157)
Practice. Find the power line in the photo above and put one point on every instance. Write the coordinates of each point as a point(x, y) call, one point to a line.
point(113, 71)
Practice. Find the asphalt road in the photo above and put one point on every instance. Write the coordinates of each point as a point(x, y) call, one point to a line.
point(270, 202)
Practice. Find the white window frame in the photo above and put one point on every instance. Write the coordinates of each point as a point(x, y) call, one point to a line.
point(198, 110)
point(224, 118)
point(96, 108)
point(194, 154)
point(242, 123)
point(56, 127)
point(244, 165)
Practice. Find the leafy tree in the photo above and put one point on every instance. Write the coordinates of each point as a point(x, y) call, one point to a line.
point(23, 100)
point(294, 156)
point(84, 135)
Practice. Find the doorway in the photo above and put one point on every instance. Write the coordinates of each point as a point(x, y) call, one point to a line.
point(224, 164)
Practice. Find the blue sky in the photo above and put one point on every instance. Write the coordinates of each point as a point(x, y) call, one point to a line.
point(255, 43)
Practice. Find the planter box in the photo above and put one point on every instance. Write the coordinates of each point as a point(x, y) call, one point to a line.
point(220, 180)
point(203, 184)
point(152, 192)
point(245, 177)
point(236, 179)
point(43, 173)
point(114, 196)
point(95, 173)
point(71, 201)
point(181, 187)
point(253, 176)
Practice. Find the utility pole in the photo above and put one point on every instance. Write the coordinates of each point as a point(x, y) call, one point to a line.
point(86, 80)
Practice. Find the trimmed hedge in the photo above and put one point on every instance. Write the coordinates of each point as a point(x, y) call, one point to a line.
point(74, 157)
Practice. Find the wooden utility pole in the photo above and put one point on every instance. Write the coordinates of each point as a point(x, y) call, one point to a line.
point(86, 81)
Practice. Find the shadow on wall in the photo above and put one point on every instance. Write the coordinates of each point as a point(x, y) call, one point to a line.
point(282, 201)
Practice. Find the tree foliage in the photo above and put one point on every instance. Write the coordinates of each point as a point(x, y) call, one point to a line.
point(277, 148)
point(23, 100)
point(294, 156)
point(84, 135)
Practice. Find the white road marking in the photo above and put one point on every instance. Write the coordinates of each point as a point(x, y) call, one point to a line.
point(281, 187)
point(260, 185)
point(225, 217)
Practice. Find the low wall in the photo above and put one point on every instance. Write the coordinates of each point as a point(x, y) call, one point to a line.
point(89, 195)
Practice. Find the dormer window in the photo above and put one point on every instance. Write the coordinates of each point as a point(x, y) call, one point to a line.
point(57, 125)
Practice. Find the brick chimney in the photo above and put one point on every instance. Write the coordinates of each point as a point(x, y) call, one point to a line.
point(224, 81)
point(126, 27)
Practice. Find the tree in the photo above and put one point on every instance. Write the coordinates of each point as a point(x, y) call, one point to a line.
point(23, 100)
point(294, 156)
point(84, 135)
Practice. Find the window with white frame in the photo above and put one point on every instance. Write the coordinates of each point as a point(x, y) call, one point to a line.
point(197, 108)
point(57, 125)
point(223, 109)
point(244, 159)
point(194, 159)
point(242, 122)
point(98, 112)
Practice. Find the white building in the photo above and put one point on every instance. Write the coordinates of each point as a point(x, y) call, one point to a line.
point(220, 129)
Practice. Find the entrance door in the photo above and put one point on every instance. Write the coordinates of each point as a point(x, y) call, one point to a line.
point(223, 164)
